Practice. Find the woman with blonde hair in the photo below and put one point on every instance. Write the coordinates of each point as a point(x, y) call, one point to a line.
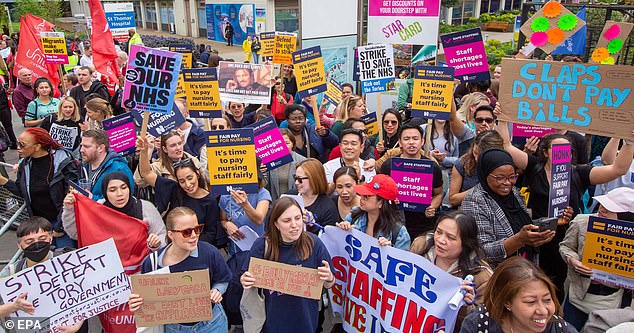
point(64, 125)
point(352, 106)
point(97, 110)
point(469, 104)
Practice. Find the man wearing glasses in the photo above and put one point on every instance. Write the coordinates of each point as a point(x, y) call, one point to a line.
point(484, 120)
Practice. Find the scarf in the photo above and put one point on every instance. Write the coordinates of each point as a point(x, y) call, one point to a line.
point(133, 207)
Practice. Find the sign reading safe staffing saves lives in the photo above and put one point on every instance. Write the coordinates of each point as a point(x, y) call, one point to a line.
point(232, 164)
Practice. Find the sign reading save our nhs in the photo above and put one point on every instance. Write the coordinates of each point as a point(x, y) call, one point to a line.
point(120, 18)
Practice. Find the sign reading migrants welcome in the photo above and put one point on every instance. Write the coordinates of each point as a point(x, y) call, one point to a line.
point(383, 289)
point(589, 98)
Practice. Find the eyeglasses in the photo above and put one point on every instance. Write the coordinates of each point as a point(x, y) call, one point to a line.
point(182, 163)
point(297, 120)
point(22, 144)
point(217, 127)
point(390, 122)
point(188, 232)
point(299, 179)
point(487, 120)
point(501, 179)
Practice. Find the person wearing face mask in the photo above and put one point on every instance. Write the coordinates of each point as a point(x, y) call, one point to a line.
point(34, 239)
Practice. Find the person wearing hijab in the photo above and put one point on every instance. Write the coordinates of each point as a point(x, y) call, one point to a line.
point(504, 226)
point(118, 196)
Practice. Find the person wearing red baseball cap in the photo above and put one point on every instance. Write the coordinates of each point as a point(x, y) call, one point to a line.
point(377, 214)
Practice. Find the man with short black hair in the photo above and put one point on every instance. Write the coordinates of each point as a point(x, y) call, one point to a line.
point(87, 87)
point(237, 117)
point(351, 146)
point(310, 141)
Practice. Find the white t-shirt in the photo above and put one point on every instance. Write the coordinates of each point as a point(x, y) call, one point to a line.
point(331, 166)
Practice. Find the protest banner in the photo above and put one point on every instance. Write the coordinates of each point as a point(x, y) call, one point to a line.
point(432, 92)
point(187, 51)
point(270, 145)
point(71, 287)
point(180, 87)
point(245, 82)
point(203, 98)
point(161, 123)
point(384, 289)
point(54, 48)
point(588, 98)
point(120, 18)
point(288, 279)
point(121, 133)
point(333, 92)
point(371, 123)
point(522, 132)
point(608, 250)
point(559, 195)
point(267, 40)
point(611, 41)
point(551, 26)
point(64, 135)
point(465, 52)
point(231, 161)
point(151, 79)
point(284, 46)
point(414, 180)
point(376, 67)
point(403, 22)
point(309, 71)
point(172, 298)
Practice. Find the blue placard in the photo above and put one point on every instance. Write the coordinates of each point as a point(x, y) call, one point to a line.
point(160, 123)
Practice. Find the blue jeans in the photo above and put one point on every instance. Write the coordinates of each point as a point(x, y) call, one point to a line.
point(574, 316)
point(64, 241)
point(254, 57)
point(218, 324)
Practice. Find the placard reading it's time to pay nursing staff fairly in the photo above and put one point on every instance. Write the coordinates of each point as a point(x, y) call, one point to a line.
point(309, 71)
point(187, 51)
point(414, 180)
point(560, 173)
point(432, 92)
point(201, 89)
point(231, 161)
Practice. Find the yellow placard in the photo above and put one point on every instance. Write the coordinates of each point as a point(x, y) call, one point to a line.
point(231, 161)
point(432, 92)
point(267, 41)
point(201, 87)
point(309, 71)
point(609, 246)
point(54, 47)
point(180, 87)
point(188, 60)
point(333, 92)
point(371, 124)
point(285, 45)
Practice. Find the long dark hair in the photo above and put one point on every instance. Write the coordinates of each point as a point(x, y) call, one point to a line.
point(546, 142)
point(468, 230)
point(446, 132)
point(37, 84)
point(394, 112)
point(388, 217)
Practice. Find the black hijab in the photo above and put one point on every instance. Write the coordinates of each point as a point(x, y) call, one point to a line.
point(488, 161)
point(133, 207)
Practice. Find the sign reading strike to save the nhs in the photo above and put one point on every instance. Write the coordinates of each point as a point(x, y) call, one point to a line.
point(403, 21)
point(383, 289)
point(589, 98)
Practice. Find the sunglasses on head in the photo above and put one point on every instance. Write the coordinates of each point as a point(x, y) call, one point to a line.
point(182, 163)
point(480, 120)
point(217, 127)
point(188, 232)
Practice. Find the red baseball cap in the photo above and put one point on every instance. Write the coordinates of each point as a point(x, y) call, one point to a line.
point(381, 185)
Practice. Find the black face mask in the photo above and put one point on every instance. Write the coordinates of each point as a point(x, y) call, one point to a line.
point(37, 251)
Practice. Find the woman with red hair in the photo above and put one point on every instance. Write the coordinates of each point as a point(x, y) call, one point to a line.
point(43, 174)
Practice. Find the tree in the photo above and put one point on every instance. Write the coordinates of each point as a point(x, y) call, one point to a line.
point(448, 3)
point(49, 10)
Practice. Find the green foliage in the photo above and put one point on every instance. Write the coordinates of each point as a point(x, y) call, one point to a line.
point(444, 28)
point(497, 50)
point(448, 3)
point(505, 16)
point(49, 10)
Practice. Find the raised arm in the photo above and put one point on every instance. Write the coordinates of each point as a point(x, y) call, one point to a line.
point(519, 157)
point(145, 170)
point(604, 174)
point(457, 126)
point(609, 152)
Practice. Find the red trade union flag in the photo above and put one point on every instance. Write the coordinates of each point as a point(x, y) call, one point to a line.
point(104, 55)
point(29, 54)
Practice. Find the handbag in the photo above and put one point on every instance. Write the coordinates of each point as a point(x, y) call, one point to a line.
point(252, 308)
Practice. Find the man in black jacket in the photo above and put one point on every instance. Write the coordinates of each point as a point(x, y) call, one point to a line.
point(86, 88)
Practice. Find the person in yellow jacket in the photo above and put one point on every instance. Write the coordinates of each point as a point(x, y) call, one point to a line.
point(135, 38)
point(246, 48)
point(73, 60)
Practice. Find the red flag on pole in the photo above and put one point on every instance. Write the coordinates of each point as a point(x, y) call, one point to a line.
point(104, 55)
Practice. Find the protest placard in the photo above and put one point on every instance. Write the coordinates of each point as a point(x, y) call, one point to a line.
point(559, 194)
point(588, 98)
point(384, 289)
point(284, 46)
point(180, 87)
point(203, 98)
point(287, 279)
point(270, 145)
point(187, 51)
point(611, 41)
point(414, 180)
point(172, 298)
point(267, 40)
point(120, 17)
point(231, 161)
point(376, 67)
point(432, 92)
point(245, 82)
point(608, 250)
point(465, 52)
point(161, 123)
point(333, 92)
point(371, 123)
point(309, 71)
point(121, 133)
point(403, 22)
point(71, 287)
point(64, 135)
point(54, 48)
point(151, 79)
point(550, 26)
point(522, 132)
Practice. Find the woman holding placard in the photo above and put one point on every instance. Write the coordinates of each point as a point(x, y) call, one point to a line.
point(185, 253)
point(67, 119)
point(286, 242)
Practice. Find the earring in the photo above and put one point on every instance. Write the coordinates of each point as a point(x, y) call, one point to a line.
point(508, 309)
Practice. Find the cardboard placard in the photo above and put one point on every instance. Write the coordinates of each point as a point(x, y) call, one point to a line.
point(160, 123)
point(576, 44)
point(403, 22)
point(187, 51)
point(608, 249)
point(287, 279)
point(371, 123)
point(121, 133)
point(465, 52)
point(561, 168)
point(284, 46)
point(376, 67)
point(231, 161)
point(432, 92)
point(551, 26)
point(270, 145)
point(151, 79)
point(245, 82)
point(333, 92)
point(54, 48)
point(522, 132)
point(201, 88)
point(588, 98)
point(414, 180)
point(611, 42)
point(309, 71)
point(172, 298)
point(267, 41)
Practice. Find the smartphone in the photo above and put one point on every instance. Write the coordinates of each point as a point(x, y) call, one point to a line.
point(546, 223)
